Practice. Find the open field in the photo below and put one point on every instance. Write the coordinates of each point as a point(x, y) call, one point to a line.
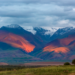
point(43, 63)
point(48, 70)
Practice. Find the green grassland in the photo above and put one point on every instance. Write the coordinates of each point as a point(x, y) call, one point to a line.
point(48, 70)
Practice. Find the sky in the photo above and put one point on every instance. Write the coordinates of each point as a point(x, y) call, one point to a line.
point(37, 13)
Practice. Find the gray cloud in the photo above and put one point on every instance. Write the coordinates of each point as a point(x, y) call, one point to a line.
point(53, 13)
point(59, 2)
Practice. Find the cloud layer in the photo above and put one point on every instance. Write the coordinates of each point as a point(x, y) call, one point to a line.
point(51, 13)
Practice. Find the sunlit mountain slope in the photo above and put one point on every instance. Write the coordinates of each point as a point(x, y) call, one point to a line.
point(16, 41)
point(60, 45)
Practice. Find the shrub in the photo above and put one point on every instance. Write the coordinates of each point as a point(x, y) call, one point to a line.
point(66, 63)
point(73, 61)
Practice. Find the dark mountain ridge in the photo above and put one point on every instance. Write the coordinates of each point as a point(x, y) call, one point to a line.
point(16, 44)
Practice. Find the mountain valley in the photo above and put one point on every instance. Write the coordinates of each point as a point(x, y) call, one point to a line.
point(18, 45)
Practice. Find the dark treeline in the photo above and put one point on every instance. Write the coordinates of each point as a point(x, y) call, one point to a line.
point(13, 67)
point(10, 67)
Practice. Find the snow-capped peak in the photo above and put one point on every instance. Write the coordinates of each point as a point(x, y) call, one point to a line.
point(13, 26)
point(43, 30)
point(67, 28)
point(50, 31)
point(61, 31)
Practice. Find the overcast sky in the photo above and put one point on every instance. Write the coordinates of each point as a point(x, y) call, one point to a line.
point(45, 13)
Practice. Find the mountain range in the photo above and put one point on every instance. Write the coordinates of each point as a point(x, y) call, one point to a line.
point(18, 45)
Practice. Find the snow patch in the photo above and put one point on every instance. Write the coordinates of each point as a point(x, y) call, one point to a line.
point(50, 31)
point(30, 29)
point(13, 26)
point(64, 30)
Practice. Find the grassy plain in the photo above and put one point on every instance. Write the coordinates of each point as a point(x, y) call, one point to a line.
point(48, 70)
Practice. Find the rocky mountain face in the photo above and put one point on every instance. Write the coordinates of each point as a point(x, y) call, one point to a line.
point(61, 46)
point(18, 45)
point(65, 46)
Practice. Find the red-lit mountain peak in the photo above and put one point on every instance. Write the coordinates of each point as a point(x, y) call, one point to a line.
point(60, 45)
point(16, 41)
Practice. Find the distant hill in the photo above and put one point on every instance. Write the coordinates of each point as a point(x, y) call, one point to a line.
point(60, 49)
